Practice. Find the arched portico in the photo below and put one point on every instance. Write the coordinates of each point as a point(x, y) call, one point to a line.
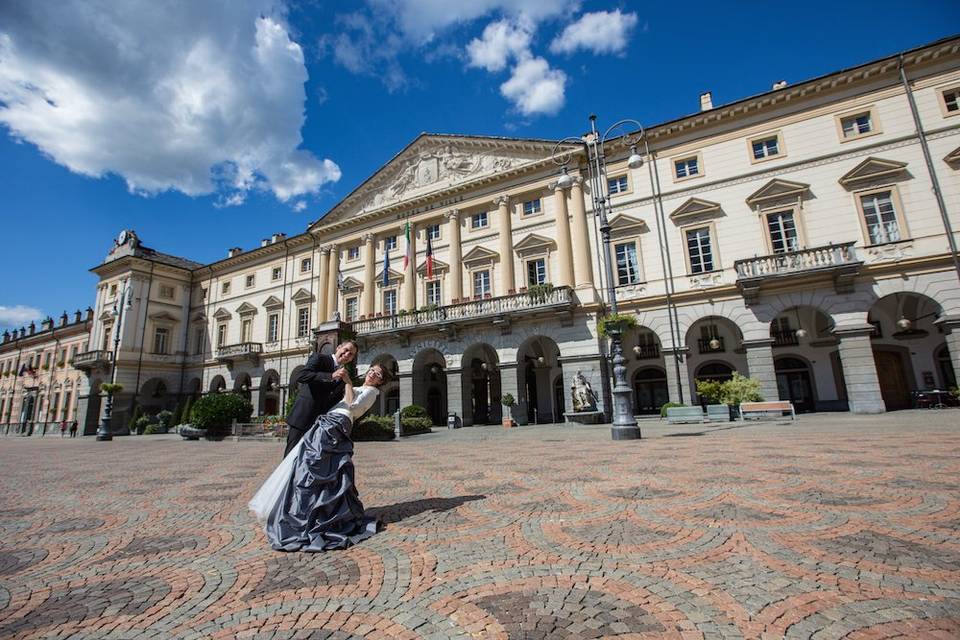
point(538, 365)
point(430, 384)
point(481, 387)
point(269, 393)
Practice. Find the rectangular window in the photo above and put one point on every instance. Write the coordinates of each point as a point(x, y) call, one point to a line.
point(225, 288)
point(203, 294)
point(433, 231)
point(390, 243)
point(46, 359)
point(73, 352)
point(160, 335)
point(700, 250)
point(198, 341)
point(246, 330)
point(433, 292)
point(251, 280)
point(55, 405)
point(628, 267)
point(66, 405)
point(351, 310)
point(389, 302)
point(617, 185)
point(686, 167)
point(478, 220)
point(273, 326)
point(951, 100)
point(106, 339)
point(303, 322)
point(856, 125)
point(276, 273)
point(353, 253)
point(221, 335)
point(306, 265)
point(783, 231)
point(880, 217)
point(536, 272)
point(765, 148)
point(113, 289)
point(531, 207)
point(166, 291)
point(481, 282)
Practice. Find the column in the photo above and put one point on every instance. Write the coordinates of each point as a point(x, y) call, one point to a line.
point(406, 389)
point(507, 281)
point(455, 392)
point(582, 269)
point(677, 383)
point(322, 285)
point(951, 327)
point(760, 366)
point(564, 249)
point(508, 384)
point(410, 274)
point(859, 369)
point(333, 292)
point(456, 268)
point(369, 287)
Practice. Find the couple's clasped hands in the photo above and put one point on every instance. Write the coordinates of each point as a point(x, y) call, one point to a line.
point(341, 374)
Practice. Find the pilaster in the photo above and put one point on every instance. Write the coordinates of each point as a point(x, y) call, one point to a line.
point(760, 366)
point(859, 369)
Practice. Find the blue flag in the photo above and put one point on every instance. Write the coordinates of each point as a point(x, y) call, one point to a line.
point(386, 266)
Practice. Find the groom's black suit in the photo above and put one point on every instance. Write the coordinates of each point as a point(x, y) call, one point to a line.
point(318, 392)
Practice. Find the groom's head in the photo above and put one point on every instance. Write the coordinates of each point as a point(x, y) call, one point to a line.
point(345, 352)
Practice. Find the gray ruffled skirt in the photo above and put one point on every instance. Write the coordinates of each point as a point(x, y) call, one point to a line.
point(320, 509)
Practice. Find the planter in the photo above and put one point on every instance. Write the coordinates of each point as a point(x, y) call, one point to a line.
point(508, 423)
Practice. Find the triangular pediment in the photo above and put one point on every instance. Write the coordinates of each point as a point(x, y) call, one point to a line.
point(622, 223)
point(435, 163)
point(438, 267)
point(222, 314)
point(351, 284)
point(533, 243)
point(272, 302)
point(392, 277)
point(163, 316)
point(199, 316)
point(695, 207)
point(872, 168)
point(246, 309)
point(953, 157)
point(302, 295)
point(776, 189)
point(480, 255)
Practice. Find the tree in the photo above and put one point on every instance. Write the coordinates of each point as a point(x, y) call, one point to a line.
point(217, 411)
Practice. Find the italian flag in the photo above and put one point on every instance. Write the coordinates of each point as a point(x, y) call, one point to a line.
point(408, 256)
point(429, 257)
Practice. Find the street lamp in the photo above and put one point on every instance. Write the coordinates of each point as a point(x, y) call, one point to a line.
point(121, 304)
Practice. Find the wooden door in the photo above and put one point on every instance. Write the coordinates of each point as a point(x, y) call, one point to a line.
point(893, 380)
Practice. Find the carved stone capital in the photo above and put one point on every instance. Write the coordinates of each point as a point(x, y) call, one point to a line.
point(453, 214)
point(368, 238)
point(502, 201)
point(325, 249)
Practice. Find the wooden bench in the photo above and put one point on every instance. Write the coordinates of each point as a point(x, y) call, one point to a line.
point(718, 413)
point(683, 415)
point(761, 409)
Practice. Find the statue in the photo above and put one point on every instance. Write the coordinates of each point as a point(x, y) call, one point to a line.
point(582, 394)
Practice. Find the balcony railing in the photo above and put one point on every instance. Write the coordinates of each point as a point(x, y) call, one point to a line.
point(647, 351)
point(784, 338)
point(241, 351)
point(92, 359)
point(465, 312)
point(704, 345)
point(838, 260)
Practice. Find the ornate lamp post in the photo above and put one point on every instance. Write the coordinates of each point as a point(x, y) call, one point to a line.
point(122, 303)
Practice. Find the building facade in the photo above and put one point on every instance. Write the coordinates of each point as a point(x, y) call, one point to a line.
point(797, 232)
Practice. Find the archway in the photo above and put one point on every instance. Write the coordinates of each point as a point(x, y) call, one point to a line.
point(481, 385)
point(217, 385)
point(388, 402)
point(650, 390)
point(270, 393)
point(430, 384)
point(242, 385)
point(905, 343)
point(538, 365)
point(795, 382)
point(153, 397)
point(714, 350)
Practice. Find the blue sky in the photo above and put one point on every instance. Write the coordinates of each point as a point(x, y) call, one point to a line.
point(209, 125)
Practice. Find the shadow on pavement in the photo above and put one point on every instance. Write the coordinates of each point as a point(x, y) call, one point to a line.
point(685, 434)
point(399, 511)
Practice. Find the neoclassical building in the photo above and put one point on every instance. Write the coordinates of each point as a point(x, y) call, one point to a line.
point(798, 233)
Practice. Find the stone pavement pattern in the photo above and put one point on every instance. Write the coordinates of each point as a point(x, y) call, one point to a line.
point(832, 527)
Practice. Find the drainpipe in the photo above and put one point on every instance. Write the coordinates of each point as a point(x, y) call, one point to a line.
point(934, 181)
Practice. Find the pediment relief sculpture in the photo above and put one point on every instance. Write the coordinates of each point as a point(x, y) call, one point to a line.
point(351, 284)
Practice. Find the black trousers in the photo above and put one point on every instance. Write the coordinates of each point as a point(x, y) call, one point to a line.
point(293, 437)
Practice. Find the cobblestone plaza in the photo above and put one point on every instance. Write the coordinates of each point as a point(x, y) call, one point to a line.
point(831, 527)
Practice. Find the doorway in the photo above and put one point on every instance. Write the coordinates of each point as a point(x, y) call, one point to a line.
point(795, 383)
point(650, 391)
point(893, 380)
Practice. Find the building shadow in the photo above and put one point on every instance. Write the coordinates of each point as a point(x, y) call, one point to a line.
point(396, 512)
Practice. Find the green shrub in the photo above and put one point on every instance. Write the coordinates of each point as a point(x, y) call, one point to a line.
point(134, 419)
point(416, 425)
point(540, 292)
point(291, 400)
point(508, 400)
point(712, 390)
point(413, 411)
point(110, 387)
point(734, 391)
point(151, 429)
point(373, 428)
point(140, 424)
point(667, 405)
point(216, 412)
point(165, 419)
point(622, 320)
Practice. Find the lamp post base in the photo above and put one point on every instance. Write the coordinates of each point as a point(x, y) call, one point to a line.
point(625, 425)
point(625, 433)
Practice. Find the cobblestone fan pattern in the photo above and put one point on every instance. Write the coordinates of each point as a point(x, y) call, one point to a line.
point(830, 527)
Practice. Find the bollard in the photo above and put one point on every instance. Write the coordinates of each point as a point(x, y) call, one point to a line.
point(397, 425)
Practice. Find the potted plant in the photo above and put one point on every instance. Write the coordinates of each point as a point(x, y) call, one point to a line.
point(111, 388)
point(615, 323)
point(508, 402)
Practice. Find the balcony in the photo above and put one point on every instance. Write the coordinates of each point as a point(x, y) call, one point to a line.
point(232, 353)
point(784, 338)
point(704, 345)
point(497, 311)
point(836, 261)
point(89, 360)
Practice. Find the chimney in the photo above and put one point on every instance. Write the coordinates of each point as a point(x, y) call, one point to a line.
point(77, 316)
point(6, 336)
point(63, 319)
point(780, 84)
point(89, 313)
point(33, 328)
point(265, 242)
point(234, 252)
point(706, 101)
point(277, 237)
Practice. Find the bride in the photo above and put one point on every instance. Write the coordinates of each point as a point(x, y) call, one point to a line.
point(310, 501)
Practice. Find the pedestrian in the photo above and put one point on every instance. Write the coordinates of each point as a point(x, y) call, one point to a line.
point(63, 428)
point(73, 429)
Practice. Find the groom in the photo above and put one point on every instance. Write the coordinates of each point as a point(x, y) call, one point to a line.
point(321, 385)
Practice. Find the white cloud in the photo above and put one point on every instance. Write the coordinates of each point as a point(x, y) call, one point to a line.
point(18, 315)
point(535, 88)
point(300, 206)
point(204, 98)
point(598, 32)
point(365, 45)
point(501, 41)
